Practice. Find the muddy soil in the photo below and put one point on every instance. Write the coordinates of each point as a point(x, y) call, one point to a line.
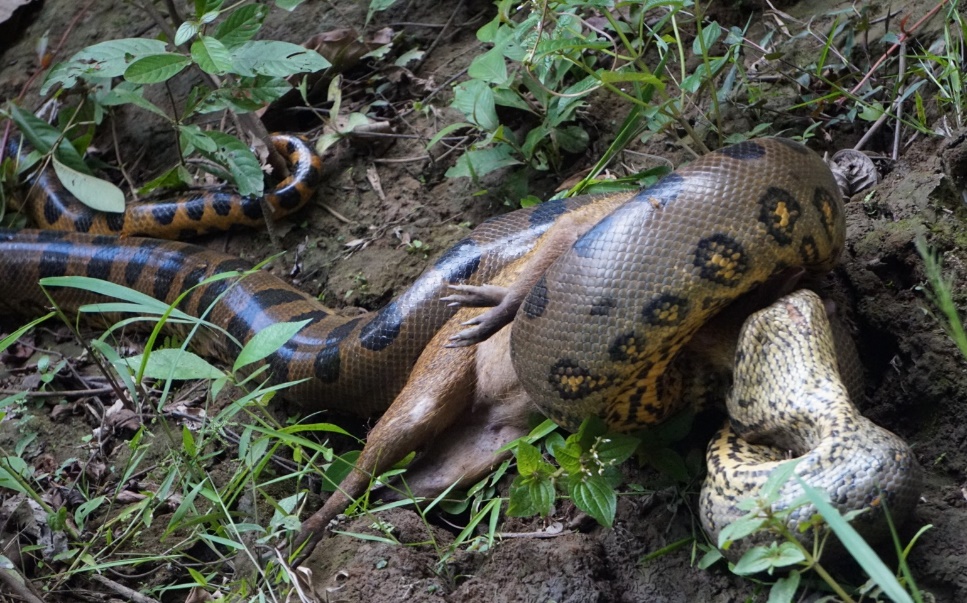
point(389, 192)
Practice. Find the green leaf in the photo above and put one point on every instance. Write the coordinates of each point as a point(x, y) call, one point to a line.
point(173, 363)
point(289, 5)
point(709, 36)
point(572, 139)
point(857, 547)
point(156, 68)
point(341, 467)
point(668, 462)
point(186, 31)
point(475, 100)
point(211, 55)
point(240, 162)
point(568, 456)
point(267, 341)
point(784, 589)
point(126, 93)
point(192, 137)
point(594, 496)
point(520, 503)
point(477, 163)
point(173, 179)
point(86, 508)
point(540, 489)
point(101, 61)
point(616, 448)
point(249, 95)
point(10, 466)
point(778, 477)
point(376, 6)
point(762, 558)
point(490, 67)
point(740, 528)
point(279, 59)
point(241, 25)
point(44, 136)
point(93, 192)
point(528, 458)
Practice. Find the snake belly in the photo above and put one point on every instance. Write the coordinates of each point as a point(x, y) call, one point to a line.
point(788, 402)
point(599, 331)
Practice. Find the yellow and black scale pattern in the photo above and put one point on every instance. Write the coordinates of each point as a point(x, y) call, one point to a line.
point(599, 332)
point(788, 401)
point(354, 364)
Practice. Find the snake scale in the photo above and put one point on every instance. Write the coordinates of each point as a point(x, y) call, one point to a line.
point(597, 295)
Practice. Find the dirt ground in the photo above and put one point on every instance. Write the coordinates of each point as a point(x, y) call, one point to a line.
point(917, 381)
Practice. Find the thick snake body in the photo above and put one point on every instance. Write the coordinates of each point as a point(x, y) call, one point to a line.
point(788, 402)
point(597, 333)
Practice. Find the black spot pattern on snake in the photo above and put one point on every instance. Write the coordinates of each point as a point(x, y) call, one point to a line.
point(808, 250)
point(459, 262)
point(574, 382)
point(778, 212)
point(547, 212)
point(603, 306)
point(195, 208)
point(213, 290)
point(167, 271)
point(222, 204)
point(662, 193)
point(101, 262)
point(251, 208)
point(746, 150)
point(83, 222)
point(721, 259)
point(191, 279)
point(536, 301)
point(115, 222)
point(328, 362)
point(164, 213)
point(602, 232)
point(383, 330)
point(827, 208)
point(52, 210)
point(187, 233)
point(54, 259)
point(139, 261)
point(666, 310)
point(311, 315)
point(627, 347)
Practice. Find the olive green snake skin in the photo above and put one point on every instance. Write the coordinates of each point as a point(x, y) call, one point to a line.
point(602, 318)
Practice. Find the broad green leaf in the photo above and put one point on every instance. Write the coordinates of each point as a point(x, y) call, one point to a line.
point(702, 44)
point(85, 509)
point(177, 177)
point(44, 136)
point(173, 363)
point(240, 162)
point(540, 489)
point(857, 547)
point(568, 456)
point(762, 558)
point(267, 341)
point(740, 528)
point(520, 503)
point(249, 95)
point(616, 448)
point(474, 164)
point(241, 25)
point(93, 192)
point(101, 61)
point(528, 458)
point(211, 55)
point(572, 139)
point(156, 68)
point(668, 462)
point(594, 496)
point(127, 93)
point(475, 100)
point(489, 67)
point(338, 470)
point(192, 137)
point(279, 59)
point(188, 442)
point(289, 5)
point(785, 588)
point(778, 478)
point(186, 31)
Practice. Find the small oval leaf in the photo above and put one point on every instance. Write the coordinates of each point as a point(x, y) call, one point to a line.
point(93, 192)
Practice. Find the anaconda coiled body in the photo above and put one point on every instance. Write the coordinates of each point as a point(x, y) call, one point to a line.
point(51, 206)
point(788, 402)
point(598, 333)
